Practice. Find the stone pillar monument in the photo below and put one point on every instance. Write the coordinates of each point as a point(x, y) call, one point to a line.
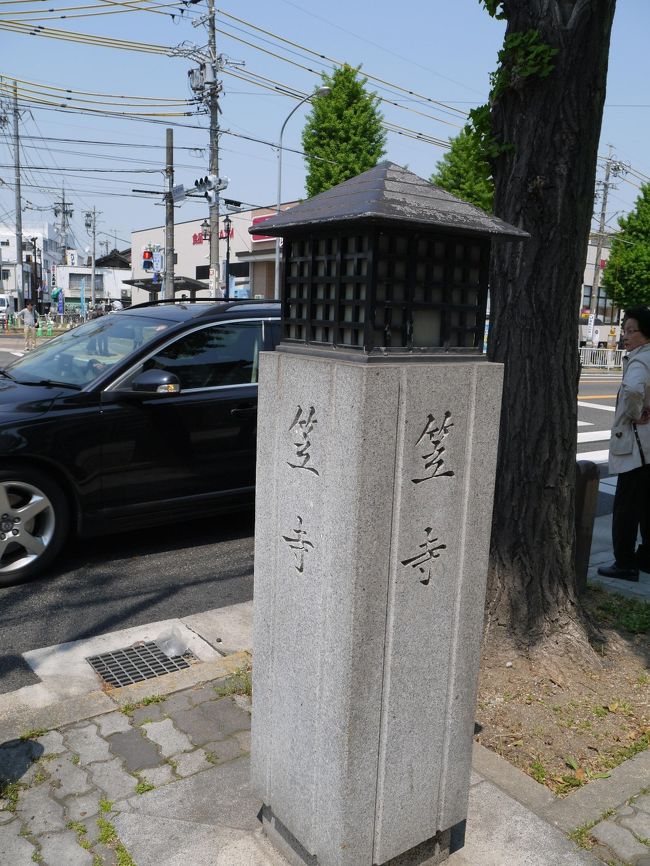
point(377, 438)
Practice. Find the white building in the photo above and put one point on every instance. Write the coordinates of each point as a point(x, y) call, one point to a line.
point(41, 251)
point(251, 259)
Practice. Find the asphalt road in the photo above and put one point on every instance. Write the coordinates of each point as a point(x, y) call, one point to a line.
point(105, 584)
point(131, 579)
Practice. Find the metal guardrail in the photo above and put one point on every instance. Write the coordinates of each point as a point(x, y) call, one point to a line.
point(607, 359)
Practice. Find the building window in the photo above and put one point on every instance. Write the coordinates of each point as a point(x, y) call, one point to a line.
point(76, 280)
point(203, 272)
point(4, 243)
point(5, 275)
point(606, 311)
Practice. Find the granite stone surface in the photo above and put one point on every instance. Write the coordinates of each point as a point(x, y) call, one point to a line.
point(372, 530)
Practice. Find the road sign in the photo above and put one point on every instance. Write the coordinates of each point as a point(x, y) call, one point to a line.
point(158, 260)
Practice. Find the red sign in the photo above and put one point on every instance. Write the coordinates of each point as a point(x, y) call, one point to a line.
point(197, 238)
point(261, 220)
point(603, 262)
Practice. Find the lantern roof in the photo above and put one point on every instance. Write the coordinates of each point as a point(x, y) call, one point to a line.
point(391, 195)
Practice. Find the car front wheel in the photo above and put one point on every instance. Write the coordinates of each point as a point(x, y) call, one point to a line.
point(34, 518)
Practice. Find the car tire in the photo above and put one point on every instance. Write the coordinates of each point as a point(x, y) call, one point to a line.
point(34, 521)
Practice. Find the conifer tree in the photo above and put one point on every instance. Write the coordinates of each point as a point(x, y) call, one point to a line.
point(343, 135)
point(626, 278)
point(465, 171)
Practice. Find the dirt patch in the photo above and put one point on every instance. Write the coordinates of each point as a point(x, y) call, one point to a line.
point(566, 728)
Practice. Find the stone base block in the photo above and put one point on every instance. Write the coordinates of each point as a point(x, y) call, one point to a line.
point(432, 852)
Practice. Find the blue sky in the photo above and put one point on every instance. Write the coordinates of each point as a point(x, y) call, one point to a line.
point(443, 50)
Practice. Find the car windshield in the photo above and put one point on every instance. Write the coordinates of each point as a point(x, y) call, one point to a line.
point(83, 354)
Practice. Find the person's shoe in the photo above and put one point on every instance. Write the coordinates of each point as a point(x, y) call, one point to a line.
point(644, 566)
point(619, 573)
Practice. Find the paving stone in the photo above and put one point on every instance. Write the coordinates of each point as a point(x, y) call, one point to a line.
point(60, 848)
point(135, 750)
point(202, 693)
point(198, 728)
point(244, 740)
point(16, 757)
point(86, 742)
point(643, 861)
point(68, 778)
point(151, 713)
point(618, 839)
point(643, 803)
point(39, 811)
point(35, 774)
point(81, 807)
point(170, 739)
point(52, 743)
point(177, 701)
point(108, 855)
point(624, 810)
point(226, 715)
point(5, 816)
point(15, 850)
point(244, 703)
point(191, 762)
point(639, 824)
point(158, 775)
point(112, 723)
point(223, 750)
point(112, 780)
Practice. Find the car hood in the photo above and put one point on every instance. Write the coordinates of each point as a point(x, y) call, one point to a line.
point(24, 401)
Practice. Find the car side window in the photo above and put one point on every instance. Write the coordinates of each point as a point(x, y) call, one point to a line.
point(210, 357)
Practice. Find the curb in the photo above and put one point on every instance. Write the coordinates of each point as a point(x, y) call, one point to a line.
point(584, 806)
point(79, 708)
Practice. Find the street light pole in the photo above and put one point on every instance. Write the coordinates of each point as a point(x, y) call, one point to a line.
point(322, 91)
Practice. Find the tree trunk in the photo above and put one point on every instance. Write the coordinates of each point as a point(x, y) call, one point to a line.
point(545, 185)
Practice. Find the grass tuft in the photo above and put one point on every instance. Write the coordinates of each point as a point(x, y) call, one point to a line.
point(239, 682)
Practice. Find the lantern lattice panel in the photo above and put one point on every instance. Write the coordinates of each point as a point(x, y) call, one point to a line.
point(395, 290)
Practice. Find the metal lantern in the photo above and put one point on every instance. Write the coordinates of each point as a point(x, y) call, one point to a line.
point(385, 264)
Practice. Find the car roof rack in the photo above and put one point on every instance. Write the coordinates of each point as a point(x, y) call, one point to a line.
point(226, 302)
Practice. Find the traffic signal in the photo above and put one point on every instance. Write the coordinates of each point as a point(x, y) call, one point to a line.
point(210, 185)
point(147, 260)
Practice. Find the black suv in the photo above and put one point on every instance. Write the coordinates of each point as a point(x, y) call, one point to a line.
point(137, 418)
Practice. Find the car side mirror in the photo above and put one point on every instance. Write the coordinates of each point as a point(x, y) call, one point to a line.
point(156, 382)
point(150, 383)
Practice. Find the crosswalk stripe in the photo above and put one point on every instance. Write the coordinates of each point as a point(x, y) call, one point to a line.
point(594, 436)
point(594, 456)
point(596, 406)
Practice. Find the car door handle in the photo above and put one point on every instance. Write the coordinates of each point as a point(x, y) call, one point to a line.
point(244, 411)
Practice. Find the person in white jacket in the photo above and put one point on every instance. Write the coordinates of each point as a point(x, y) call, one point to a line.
point(629, 453)
point(29, 322)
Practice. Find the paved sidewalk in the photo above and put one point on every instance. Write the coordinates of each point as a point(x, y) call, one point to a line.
point(156, 774)
point(165, 783)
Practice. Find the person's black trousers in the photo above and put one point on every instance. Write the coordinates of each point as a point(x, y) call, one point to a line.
point(631, 512)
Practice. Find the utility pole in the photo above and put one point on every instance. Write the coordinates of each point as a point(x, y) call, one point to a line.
point(91, 228)
point(212, 85)
point(63, 210)
point(19, 206)
point(168, 287)
point(612, 167)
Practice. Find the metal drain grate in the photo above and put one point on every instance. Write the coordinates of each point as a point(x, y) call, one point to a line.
point(124, 667)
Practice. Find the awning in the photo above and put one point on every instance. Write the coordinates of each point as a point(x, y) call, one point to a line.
point(181, 284)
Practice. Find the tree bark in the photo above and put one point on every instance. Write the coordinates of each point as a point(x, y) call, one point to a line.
point(545, 185)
